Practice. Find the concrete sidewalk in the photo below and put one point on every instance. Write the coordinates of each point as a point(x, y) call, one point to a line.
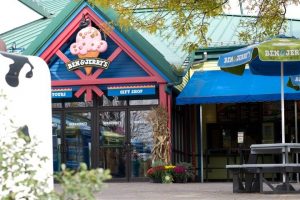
point(199, 191)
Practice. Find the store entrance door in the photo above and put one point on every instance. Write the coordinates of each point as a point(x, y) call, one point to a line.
point(125, 143)
point(113, 143)
point(119, 139)
point(71, 133)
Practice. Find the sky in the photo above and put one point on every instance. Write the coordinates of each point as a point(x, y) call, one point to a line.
point(14, 14)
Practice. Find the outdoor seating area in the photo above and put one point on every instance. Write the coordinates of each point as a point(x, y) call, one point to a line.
point(251, 176)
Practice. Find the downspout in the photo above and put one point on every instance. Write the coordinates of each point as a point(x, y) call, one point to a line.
point(201, 61)
point(200, 147)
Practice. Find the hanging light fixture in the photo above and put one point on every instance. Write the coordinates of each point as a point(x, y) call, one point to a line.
point(85, 22)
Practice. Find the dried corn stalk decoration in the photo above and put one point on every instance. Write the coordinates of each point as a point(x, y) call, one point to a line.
point(158, 117)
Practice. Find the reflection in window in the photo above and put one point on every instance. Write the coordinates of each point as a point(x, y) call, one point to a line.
point(115, 160)
point(141, 141)
point(78, 139)
point(113, 101)
point(112, 139)
point(57, 105)
point(144, 102)
point(112, 128)
point(80, 104)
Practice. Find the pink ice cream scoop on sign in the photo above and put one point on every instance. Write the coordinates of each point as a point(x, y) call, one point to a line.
point(88, 39)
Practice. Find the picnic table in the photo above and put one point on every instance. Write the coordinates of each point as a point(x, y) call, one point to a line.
point(249, 177)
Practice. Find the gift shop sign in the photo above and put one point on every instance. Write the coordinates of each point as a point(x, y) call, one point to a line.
point(84, 62)
point(131, 90)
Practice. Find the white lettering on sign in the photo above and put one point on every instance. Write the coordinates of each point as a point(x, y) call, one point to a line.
point(77, 124)
point(124, 91)
point(58, 94)
point(240, 137)
point(96, 62)
point(131, 91)
point(140, 122)
point(237, 58)
point(272, 53)
point(111, 123)
point(137, 91)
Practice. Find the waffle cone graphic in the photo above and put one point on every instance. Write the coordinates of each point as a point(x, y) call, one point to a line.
point(89, 44)
point(90, 54)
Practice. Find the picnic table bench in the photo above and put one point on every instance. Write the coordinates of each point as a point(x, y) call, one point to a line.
point(253, 176)
point(250, 177)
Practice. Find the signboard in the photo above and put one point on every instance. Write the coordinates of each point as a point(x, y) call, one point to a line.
point(131, 90)
point(59, 93)
point(88, 46)
point(240, 137)
point(95, 62)
point(25, 89)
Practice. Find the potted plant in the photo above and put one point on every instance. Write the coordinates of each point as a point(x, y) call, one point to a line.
point(190, 174)
point(156, 173)
point(167, 178)
point(161, 174)
point(179, 174)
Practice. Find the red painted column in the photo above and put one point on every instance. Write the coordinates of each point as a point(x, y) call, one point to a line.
point(162, 96)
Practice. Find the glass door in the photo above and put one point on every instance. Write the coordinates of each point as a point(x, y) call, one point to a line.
point(141, 141)
point(125, 143)
point(113, 148)
point(56, 139)
point(77, 139)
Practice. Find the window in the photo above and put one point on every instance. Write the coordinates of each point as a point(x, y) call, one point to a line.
point(143, 102)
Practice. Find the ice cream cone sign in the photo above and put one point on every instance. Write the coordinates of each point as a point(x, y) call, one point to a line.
point(88, 47)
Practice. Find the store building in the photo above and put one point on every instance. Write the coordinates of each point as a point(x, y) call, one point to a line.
point(100, 118)
point(234, 105)
point(105, 81)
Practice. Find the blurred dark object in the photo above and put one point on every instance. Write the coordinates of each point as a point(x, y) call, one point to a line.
point(2, 45)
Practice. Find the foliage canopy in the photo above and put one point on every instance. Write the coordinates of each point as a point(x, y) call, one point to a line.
point(193, 16)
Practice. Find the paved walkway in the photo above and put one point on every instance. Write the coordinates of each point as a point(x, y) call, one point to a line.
point(199, 191)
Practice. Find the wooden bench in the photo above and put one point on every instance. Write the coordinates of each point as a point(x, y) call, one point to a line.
point(254, 179)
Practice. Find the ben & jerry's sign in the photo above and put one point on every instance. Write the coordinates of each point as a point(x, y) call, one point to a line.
point(88, 47)
point(95, 62)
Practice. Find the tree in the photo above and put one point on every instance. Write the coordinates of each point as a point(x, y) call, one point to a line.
point(193, 16)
